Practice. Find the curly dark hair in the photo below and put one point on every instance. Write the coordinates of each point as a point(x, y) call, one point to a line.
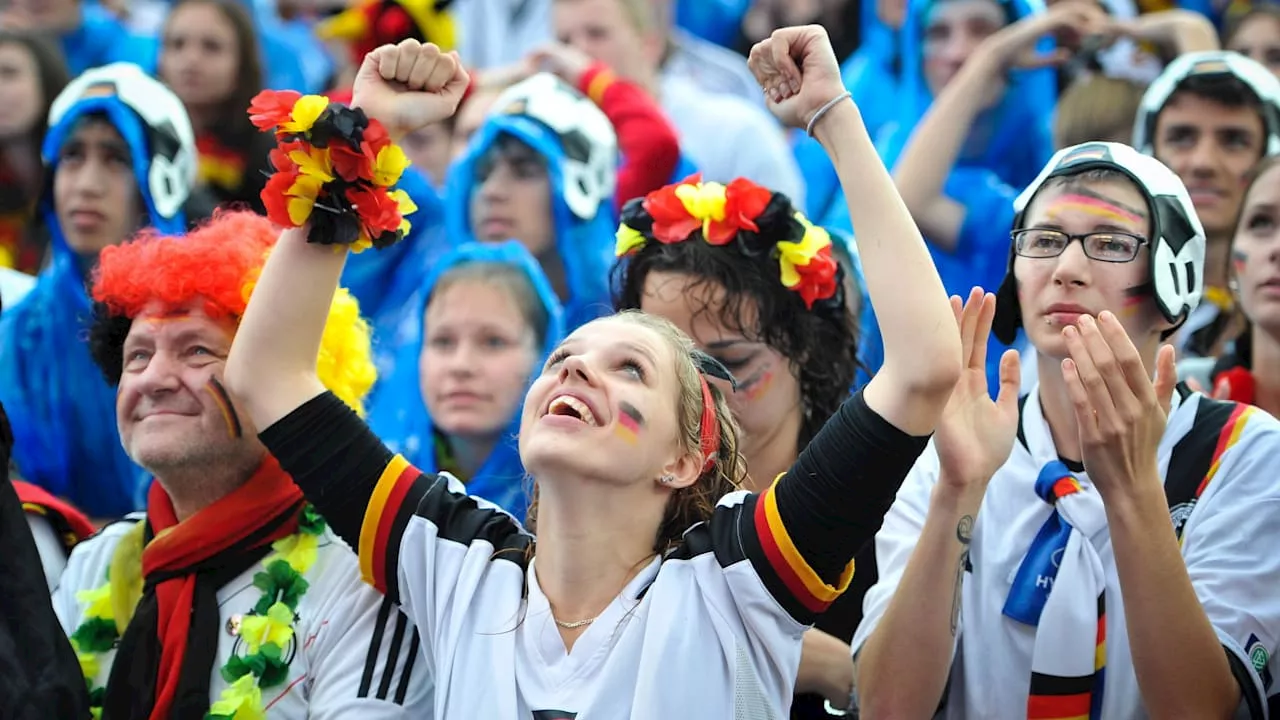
point(107, 334)
point(821, 344)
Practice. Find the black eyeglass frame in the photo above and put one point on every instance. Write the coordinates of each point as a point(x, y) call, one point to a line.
point(1017, 249)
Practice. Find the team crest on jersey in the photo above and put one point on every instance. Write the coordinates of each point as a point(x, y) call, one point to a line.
point(1260, 659)
point(1179, 514)
point(553, 715)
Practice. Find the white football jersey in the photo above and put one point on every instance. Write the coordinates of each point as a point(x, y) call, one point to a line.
point(712, 630)
point(355, 655)
point(1229, 537)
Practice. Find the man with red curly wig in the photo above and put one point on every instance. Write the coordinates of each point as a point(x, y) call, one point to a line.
point(229, 595)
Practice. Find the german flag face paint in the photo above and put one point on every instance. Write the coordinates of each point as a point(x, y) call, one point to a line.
point(630, 421)
point(223, 400)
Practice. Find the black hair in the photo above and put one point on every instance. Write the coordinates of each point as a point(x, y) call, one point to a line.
point(821, 344)
point(1222, 88)
point(107, 334)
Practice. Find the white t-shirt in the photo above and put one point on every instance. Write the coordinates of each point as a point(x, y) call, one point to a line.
point(355, 654)
point(1229, 541)
point(698, 634)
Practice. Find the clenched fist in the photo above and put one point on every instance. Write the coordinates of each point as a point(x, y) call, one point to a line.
point(409, 86)
point(798, 72)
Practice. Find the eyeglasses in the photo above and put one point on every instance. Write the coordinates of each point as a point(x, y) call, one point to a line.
point(1114, 247)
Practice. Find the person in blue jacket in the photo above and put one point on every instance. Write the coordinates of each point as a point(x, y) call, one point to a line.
point(961, 208)
point(121, 156)
point(487, 323)
point(542, 169)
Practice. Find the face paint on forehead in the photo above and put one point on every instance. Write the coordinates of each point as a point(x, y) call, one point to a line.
point(1092, 204)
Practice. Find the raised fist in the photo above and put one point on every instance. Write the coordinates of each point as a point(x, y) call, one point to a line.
point(798, 72)
point(409, 85)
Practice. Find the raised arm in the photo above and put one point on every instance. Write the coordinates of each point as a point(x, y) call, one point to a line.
point(272, 366)
point(921, 346)
point(931, 152)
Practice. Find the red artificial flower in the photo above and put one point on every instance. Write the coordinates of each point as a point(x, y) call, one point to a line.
point(817, 279)
point(378, 211)
point(744, 201)
point(375, 135)
point(275, 197)
point(271, 108)
point(352, 165)
point(672, 223)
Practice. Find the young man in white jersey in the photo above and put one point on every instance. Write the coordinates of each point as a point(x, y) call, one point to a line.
point(1048, 581)
point(229, 597)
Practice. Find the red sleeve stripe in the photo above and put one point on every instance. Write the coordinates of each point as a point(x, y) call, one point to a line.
point(804, 584)
point(396, 481)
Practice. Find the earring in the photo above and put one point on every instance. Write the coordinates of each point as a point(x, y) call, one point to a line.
point(667, 479)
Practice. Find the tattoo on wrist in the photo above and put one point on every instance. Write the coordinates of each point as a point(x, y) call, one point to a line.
point(964, 533)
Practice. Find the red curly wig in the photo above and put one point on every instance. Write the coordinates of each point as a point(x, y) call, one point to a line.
point(218, 264)
point(212, 264)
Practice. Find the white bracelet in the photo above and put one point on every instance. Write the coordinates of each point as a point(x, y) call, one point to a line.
point(825, 109)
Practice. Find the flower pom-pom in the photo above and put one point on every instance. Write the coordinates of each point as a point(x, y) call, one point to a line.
point(335, 169)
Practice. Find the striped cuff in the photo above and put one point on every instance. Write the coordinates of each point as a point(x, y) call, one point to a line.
point(804, 584)
point(394, 500)
point(596, 81)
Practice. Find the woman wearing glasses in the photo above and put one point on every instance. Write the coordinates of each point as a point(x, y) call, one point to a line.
point(1030, 553)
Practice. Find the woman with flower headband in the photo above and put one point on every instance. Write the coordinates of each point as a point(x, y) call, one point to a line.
point(762, 292)
point(654, 588)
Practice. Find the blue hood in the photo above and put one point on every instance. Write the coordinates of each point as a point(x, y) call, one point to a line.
point(61, 408)
point(398, 413)
point(1014, 138)
point(584, 246)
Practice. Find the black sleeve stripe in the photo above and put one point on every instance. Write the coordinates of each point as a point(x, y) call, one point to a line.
point(415, 643)
point(375, 644)
point(393, 656)
point(459, 518)
point(1248, 691)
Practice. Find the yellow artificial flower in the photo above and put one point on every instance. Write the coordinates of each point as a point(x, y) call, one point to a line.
point(276, 627)
point(314, 162)
point(792, 255)
point(97, 601)
point(95, 712)
point(628, 240)
point(305, 113)
point(297, 550)
point(407, 207)
point(88, 664)
point(389, 165)
point(241, 701)
point(704, 201)
point(302, 198)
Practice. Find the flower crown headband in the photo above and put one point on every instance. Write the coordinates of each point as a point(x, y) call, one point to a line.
point(334, 159)
point(730, 214)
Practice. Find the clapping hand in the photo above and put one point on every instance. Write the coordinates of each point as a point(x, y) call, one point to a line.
point(409, 86)
point(798, 72)
point(975, 435)
point(1120, 411)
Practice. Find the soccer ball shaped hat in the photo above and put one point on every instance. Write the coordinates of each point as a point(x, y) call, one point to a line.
point(1176, 240)
point(1212, 64)
point(152, 120)
point(587, 137)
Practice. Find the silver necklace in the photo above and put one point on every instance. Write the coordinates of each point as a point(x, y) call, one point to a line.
point(575, 625)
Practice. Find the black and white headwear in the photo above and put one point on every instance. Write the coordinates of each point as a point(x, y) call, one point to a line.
point(1177, 239)
point(1212, 64)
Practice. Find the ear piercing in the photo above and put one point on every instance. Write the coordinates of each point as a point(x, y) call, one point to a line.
point(667, 479)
